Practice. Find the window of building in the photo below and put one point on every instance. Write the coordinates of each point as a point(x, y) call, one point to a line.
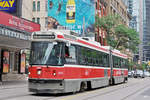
point(33, 19)
point(117, 4)
point(38, 6)
point(46, 21)
point(46, 4)
point(34, 6)
point(38, 20)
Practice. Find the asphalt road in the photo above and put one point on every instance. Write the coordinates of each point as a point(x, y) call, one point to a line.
point(134, 89)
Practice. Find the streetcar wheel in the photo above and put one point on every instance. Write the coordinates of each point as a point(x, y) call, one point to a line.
point(125, 80)
point(83, 87)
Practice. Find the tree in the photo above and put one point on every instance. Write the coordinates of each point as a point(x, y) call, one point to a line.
point(126, 38)
point(118, 35)
point(108, 23)
point(131, 65)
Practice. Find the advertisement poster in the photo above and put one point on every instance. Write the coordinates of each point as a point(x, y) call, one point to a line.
point(23, 63)
point(5, 62)
point(8, 5)
point(72, 14)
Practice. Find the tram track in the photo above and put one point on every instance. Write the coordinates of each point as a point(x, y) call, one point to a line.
point(105, 93)
point(137, 91)
point(67, 96)
point(122, 86)
point(97, 95)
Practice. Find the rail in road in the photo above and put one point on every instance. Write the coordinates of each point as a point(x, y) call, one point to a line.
point(112, 89)
point(133, 86)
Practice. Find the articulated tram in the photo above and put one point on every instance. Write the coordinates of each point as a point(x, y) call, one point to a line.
point(61, 62)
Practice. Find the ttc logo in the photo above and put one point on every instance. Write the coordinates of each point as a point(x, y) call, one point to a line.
point(8, 5)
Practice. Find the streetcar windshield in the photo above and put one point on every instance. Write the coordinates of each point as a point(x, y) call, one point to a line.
point(46, 53)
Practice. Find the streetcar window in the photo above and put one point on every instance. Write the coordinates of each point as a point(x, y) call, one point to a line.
point(82, 55)
point(105, 60)
point(94, 57)
point(100, 61)
point(123, 63)
point(70, 54)
point(66, 52)
point(119, 63)
point(115, 61)
point(46, 53)
point(89, 56)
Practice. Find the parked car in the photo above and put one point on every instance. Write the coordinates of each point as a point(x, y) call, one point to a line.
point(147, 74)
point(139, 73)
point(130, 73)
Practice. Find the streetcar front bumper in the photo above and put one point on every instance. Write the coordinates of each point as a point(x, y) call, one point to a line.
point(46, 86)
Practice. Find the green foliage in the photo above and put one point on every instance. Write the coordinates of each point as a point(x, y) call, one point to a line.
point(118, 35)
point(107, 22)
point(131, 65)
point(126, 37)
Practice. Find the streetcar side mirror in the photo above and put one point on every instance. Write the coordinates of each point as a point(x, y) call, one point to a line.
point(54, 43)
point(68, 44)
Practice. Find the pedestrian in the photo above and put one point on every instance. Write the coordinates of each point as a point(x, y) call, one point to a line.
point(0, 75)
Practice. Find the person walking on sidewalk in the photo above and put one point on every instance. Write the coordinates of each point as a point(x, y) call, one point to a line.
point(0, 76)
point(0, 72)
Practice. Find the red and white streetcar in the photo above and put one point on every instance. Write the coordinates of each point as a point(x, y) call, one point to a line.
point(61, 63)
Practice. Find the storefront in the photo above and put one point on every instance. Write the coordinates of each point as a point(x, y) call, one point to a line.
point(15, 36)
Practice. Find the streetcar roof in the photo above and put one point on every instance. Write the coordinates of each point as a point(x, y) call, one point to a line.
point(72, 37)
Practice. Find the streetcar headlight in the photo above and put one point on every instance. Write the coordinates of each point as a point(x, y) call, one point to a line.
point(54, 72)
point(39, 72)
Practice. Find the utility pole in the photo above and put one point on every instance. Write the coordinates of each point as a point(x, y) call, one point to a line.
point(83, 26)
point(98, 13)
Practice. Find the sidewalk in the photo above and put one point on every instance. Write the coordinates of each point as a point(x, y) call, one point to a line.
point(7, 83)
point(13, 84)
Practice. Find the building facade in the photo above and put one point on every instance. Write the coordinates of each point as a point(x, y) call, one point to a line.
point(101, 11)
point(15, 36)
point(119, 7)
point(146, 30)
point(109, 7)
point(36, 11)
point(39, 13)
point(132, 9)
point(102, 8)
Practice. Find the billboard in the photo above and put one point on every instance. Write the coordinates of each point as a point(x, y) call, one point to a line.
point(72, 14)
point(18, 23)
point(5, 62)
point(22, 63)
point(8, 6)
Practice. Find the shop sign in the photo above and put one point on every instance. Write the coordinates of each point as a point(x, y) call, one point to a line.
point(14, 34)
point(8, 5)
point(18, 23)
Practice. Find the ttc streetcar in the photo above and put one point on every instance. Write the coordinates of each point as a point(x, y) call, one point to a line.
point(61, 62)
